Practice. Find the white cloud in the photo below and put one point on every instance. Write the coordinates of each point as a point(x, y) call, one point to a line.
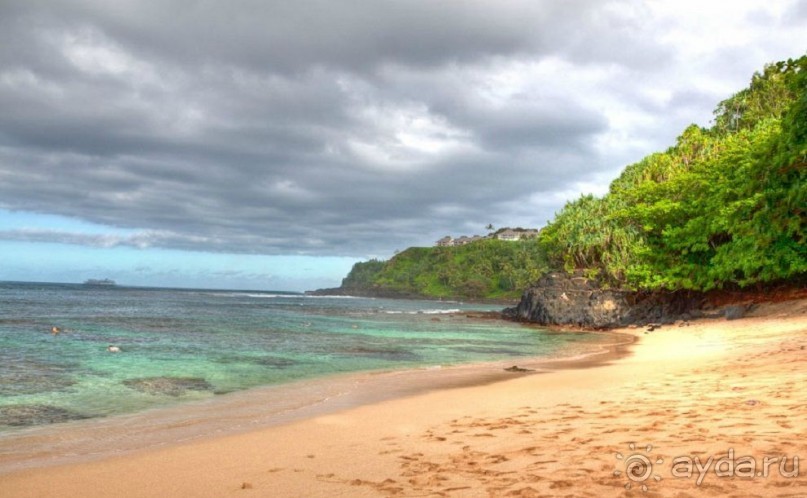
point(141, 239)
point(230, 128)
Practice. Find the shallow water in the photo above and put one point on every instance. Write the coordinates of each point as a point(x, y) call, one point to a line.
point(179, 346)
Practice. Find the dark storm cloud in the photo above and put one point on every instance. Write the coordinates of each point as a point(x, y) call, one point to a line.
point(287, 36)
point(314, 127)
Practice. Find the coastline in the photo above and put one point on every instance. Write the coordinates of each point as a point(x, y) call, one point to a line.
point(263, 407)
point(380, 294)
point(698, 390)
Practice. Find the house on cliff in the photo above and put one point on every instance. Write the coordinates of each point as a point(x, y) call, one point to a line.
point(447, 241)
point(508, 234)
point(515, 235)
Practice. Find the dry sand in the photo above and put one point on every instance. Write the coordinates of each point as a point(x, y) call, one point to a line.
point(683, 392)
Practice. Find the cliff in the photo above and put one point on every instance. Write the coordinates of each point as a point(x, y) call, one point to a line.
point(486, 270)
point(565, 299)
point(573, 300)
point(722, 208)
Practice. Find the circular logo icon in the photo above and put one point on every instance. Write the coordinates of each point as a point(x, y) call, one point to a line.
point(638, 467)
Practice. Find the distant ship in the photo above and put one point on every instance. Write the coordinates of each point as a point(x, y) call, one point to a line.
point(94, 281)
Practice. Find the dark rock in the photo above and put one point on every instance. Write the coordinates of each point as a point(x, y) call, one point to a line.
point(710, 314)
point(275, 361)
point(516, 368)
point(169, 386)
point(572, 300)
point(558, 299)
point(734, 312)
point(24, 415)
point(278, 362)
point(381, 353)
point(491, 350)
point(29, 376)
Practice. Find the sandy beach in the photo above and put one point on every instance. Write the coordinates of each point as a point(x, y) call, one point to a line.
point(715, 408)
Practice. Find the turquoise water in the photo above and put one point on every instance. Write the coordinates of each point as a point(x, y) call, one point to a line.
point(183, 345)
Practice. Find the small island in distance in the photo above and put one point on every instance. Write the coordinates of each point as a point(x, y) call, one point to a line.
point(103, 281)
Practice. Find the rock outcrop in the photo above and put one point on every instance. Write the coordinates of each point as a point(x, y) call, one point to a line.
point(24, 415)
point(171, 386)
point(574, 300)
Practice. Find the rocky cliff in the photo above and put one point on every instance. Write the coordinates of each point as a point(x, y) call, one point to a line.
point(574, 300)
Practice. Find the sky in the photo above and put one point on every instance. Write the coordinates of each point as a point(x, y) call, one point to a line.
point(260, 144)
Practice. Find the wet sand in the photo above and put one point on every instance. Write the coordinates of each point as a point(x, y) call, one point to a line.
point(714, 389)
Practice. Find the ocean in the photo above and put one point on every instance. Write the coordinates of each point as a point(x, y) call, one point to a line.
point(183, 346)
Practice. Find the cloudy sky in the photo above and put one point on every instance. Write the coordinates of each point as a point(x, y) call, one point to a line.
point(269, 145)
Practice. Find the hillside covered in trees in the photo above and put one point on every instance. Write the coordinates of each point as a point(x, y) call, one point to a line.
point(723, 207)
point(489, 269)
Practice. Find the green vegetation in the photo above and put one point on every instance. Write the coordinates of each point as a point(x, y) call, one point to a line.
point(491, 269)
point(362, 275)
point(725, 206)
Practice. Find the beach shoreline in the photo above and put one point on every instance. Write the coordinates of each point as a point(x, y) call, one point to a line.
point(263, 407)
point(698, 390)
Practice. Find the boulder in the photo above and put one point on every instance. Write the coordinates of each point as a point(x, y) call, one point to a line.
point(734, 312)
point(170, 386)
point(24, 415)
point(565, 299)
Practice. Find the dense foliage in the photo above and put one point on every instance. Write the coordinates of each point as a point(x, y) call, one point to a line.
point(724, 206)
point(485, 269)
point(362, 275)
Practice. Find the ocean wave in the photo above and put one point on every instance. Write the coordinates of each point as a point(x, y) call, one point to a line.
point(269, 295)
point(272, 296)
point(257, 295)
point(423, 312)
point(309, 296)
